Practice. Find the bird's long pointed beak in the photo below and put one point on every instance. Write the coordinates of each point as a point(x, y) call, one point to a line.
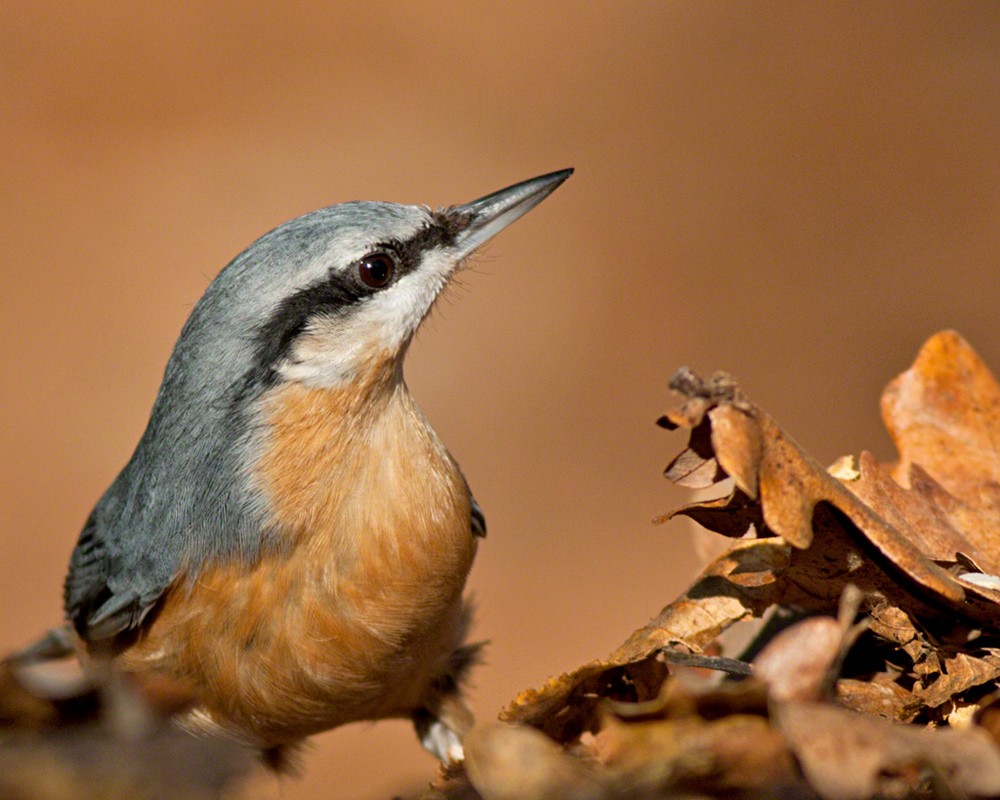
point(484, 218)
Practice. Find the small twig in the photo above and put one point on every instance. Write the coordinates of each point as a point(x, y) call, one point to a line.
point(731, 666)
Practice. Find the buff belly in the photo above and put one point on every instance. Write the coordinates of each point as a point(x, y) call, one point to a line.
point(271, 662)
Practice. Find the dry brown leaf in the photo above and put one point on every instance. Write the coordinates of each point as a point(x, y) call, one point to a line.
point(848, 756)
point(944, 415)
point(514, 762)
point(880, 696)
point(568, 705)
point(796, 664)
point(920, 512)
point(944, 528)
point(895, 625)
point(736, 752)
point(741, 583)
point(958, 673)
point(943, 505)
point(732, 515)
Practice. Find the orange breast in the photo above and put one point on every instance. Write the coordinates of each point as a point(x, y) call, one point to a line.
point(357, 615)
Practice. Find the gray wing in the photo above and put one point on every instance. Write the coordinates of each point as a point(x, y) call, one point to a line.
point(182, 502)
point(102, 597)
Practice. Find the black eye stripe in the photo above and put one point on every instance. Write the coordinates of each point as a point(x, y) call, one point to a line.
point(336, 294)
point(429, 237)
point(411, 251)
point(276, 336)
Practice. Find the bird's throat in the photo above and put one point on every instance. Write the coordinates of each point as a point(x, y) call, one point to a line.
point(357, 474)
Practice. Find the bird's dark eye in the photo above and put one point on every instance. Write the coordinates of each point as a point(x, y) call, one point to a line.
point(376, 270)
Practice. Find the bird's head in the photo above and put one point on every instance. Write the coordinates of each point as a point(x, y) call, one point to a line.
point(335, 293)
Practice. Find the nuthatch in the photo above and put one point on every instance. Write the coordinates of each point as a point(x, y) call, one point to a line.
point(290, 538)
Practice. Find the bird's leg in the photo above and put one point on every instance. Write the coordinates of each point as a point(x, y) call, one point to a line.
point(444, 719)
point(442, 730)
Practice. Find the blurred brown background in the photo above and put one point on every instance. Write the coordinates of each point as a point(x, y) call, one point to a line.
point(797, 193)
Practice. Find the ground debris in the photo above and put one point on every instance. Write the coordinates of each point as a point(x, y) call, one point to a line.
point(70, 734)
point(876, 673)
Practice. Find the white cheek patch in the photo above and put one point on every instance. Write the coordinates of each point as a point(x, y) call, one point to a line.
point(333, 349)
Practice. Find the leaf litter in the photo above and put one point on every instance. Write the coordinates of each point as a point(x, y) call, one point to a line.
point(69, 733)
point(873, 596)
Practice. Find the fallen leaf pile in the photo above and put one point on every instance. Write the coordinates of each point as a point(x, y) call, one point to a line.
point(66, 734)
point(847, 645)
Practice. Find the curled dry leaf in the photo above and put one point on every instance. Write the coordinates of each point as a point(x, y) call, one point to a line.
point(940, 503)
point(569, 705)
point(788, 485)
point(957, 674)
